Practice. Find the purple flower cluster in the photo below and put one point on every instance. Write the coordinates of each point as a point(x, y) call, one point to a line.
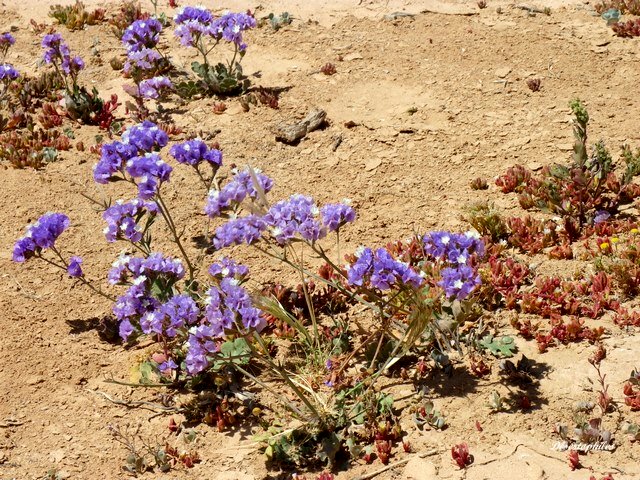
point(140, 271)
point(8, 73)
point(228, 307)
point(296, 216)
point(191, 24)
point(40, 235)
point(155, 87)
point(458, 278)
point(193, 152)
point(74, 269)
point(122, 219)
point(137, 140)
point(140, 39)
point(138, 301)
point(234, 192)
point(228, 268)
point(455, 248)
point(180, 311)
point(6, 40)
point(142, 34)
point(230, 26)
point(145, 59)
point(240, 230)
point(57, 52)
point(459, 282)
point(381, 270)
point(151, 171)
point(146, 136)
point(335, 215)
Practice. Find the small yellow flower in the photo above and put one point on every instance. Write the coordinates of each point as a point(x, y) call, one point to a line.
point(614, 240)
point(604, 246)
point(634, 231)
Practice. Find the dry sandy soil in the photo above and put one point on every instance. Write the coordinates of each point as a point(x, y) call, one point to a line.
point(464, 77)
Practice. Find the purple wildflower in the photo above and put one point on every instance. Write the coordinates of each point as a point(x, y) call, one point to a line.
point(180, 311)
point(452, 247)
point(151, 171)
point(240, 230)
point(40, 235)
point(226, 267)
point(193, 152)
point(8, 72)
point(336, 215)
point(155, 87)
point(191, 24)
point(74, 269)
point(381, 270)
point(234, 192)
point(230, 27)
point(145, 136)
point(144, 59)
point(167, 366)
point(142, 34)
point(122, 219)
point(459, 282)
point(6, 40)
point(56, 49)
point(113, 157)
point(294, 216)
point(601, 216)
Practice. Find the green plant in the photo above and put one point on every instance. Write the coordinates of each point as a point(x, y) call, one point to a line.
point(75, 16)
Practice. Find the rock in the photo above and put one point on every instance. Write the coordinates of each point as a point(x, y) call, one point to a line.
point(291, 134)
point(34, 380)
point(503, 72)
point(420, 469)
point(352, 56)
point(372, 164)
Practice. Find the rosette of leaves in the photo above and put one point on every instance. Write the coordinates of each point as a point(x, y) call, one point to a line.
point(219, 79)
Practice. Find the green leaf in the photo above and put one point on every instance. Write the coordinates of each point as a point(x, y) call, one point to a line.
point(504, 346)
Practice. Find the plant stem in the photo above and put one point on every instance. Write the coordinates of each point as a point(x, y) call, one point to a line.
point(176, 238)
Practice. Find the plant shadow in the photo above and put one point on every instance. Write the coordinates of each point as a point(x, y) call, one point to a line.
point(106, 327)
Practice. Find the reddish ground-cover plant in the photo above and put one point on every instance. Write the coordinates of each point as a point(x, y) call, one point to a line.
point(461, 456)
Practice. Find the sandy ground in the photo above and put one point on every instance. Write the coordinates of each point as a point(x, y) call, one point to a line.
point(463, 76)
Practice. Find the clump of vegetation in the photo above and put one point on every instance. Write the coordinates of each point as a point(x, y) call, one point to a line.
point(76, 17)
point(625, 6)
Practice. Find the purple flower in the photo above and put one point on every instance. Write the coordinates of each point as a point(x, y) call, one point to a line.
point(452, 247)
point(193, 152)
point(113, 157)
point(151, 171)
point(40, 235)
point(459, 282)
point(125, 329)
point(240, 230)
point(180, 311)
point(71, 66)
point(74, 269)
point(601, 216)
point(296, 216)
point(144, 59)
point(8, 73)
point(230, 27)
point(122, 219)
point(191, 24)
point(155, 87)
point(56, 49)
point(6, 40)
point(381, 270)
point(234, 192)
point(142, 34)
point(144, 271)
point(228, 268)
point(336, 215)
point(200, 344)
point(167, 366)
point(145, 136)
